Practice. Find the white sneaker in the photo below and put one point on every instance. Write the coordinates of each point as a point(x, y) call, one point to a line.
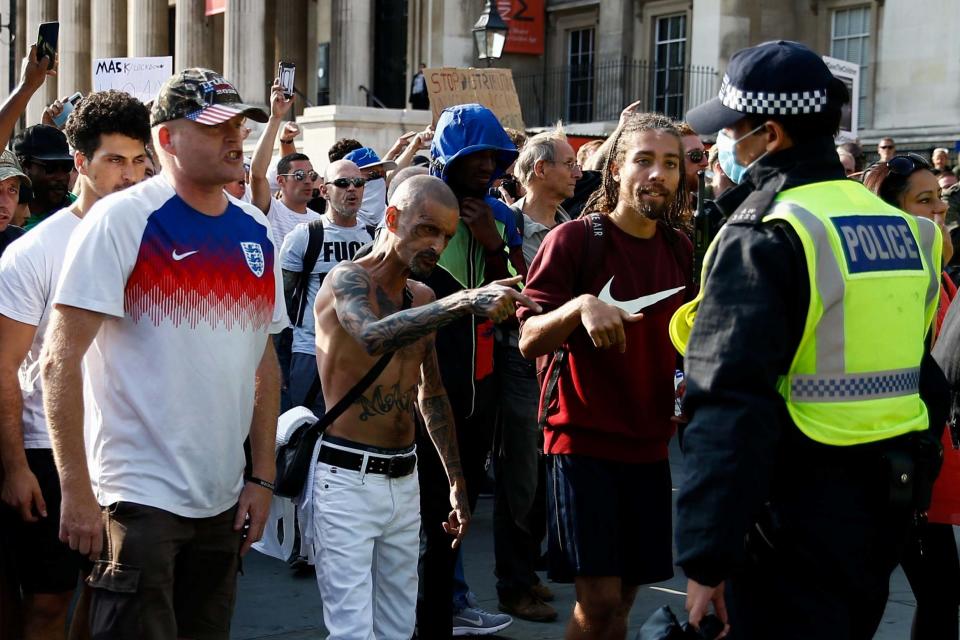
point(474, 621)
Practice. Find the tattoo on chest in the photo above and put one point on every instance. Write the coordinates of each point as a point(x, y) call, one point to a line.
point(385, 303)
point(385, 399)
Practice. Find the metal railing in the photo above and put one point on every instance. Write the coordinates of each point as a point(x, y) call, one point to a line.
point(600, 92)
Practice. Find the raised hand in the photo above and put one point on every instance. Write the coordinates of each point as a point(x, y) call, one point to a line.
point(279, 103)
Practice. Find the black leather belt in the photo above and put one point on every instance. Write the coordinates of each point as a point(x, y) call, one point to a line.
point(392, 467)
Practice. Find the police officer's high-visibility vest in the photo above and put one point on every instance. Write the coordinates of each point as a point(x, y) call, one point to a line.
point(874, 289)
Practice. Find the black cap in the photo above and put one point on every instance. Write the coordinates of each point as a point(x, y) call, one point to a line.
point(42, 142)
point(779, 78)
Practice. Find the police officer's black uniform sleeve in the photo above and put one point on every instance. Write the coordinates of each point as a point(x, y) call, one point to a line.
point(746, 332)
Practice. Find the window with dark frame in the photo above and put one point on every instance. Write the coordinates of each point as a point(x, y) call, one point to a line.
point(850, 41)
point(580, 87)
point(669, 64)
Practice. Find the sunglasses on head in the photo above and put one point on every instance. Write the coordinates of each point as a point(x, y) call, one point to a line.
point(696, 155)
point(907, 163)
point(343, 183)
point(300, 175)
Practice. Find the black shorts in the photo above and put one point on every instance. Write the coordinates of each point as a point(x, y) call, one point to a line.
point(41, 562)
point(609, 518)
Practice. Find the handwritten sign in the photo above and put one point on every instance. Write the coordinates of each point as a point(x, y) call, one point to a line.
point(140, 77)
point(849, 74)
point(493, 88)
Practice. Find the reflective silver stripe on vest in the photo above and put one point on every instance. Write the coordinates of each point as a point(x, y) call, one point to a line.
point(831, 286)
point(928, 234)
point(854, 386)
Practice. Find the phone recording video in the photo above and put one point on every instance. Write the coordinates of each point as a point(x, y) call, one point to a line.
point(286, 72)
point(47, 37)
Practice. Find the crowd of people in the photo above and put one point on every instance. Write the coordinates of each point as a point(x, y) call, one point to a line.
point(476, 310)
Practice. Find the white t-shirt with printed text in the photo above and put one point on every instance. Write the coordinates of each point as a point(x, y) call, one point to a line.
point(29, 271)
point(339, 244)
point(283, 219)
point(190, 300)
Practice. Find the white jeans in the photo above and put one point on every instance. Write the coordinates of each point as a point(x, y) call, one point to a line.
point(367, 542)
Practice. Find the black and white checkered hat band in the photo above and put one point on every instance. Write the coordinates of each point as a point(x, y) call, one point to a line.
point(781, 104)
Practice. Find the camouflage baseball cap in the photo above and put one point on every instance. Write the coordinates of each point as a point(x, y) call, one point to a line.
point(203, 96)
point(10, 167)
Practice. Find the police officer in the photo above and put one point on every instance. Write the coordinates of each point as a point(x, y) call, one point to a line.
point(809, 382)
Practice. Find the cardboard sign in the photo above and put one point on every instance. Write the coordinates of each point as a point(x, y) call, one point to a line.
point(526, 20)
point(140, 77)
point(849, 74)
point(493, 88)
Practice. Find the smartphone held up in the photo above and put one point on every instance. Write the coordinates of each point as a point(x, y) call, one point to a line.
point(48, 36)
point(286, 72)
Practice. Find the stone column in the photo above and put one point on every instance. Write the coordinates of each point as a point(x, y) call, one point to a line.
point(290, 40)
point(108, 29)
point(147, 30)
point(193, 36)
point(39, 11)
point(614, 36)
point(350, 63)
point(74, 73)
point(244, 49)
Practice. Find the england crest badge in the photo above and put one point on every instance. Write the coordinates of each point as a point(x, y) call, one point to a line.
point(253, 253)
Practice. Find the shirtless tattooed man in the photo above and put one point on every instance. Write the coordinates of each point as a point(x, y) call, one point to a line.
point(366, 512)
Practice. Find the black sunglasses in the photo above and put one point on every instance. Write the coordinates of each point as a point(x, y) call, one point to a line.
point(343, 183)
point(696, 155)
point(299, 175)
point(54, 166)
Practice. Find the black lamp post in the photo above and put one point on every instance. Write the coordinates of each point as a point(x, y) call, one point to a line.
point(490, 33)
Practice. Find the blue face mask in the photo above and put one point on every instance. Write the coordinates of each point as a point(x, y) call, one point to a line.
point(728, 159)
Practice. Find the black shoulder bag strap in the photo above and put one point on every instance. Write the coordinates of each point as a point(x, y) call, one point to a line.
point(592, 256)
point(361, 386)
point(310, 256)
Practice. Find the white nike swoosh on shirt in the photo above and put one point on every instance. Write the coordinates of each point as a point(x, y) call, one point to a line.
point(180, 256)
point(637, 304)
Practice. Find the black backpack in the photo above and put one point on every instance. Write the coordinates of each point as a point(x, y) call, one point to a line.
point(295, 292)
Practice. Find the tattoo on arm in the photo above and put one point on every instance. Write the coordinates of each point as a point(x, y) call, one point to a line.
point(351, 287)
point(437, 414)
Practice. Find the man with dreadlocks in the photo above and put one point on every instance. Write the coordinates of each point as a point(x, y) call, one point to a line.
point(607, 395)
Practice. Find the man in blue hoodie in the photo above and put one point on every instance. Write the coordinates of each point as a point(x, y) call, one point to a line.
point(470, 151)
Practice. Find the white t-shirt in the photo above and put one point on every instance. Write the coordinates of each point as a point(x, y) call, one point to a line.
point(339, 243)
point(191, 299)
point(283, 219)
point(29, 271)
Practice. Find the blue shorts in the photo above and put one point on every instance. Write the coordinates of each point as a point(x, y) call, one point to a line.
point(609, 518)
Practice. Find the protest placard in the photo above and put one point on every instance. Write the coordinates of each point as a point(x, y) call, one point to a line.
point(849, 74)
point(493, 88)
point(140, 77)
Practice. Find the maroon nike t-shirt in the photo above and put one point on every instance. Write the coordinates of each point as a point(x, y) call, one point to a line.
point(613, 405)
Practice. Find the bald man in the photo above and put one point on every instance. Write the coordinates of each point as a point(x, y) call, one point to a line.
point(366, 496)
point(342, 237)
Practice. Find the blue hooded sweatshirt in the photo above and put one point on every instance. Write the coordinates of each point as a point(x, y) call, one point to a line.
point(464, 347)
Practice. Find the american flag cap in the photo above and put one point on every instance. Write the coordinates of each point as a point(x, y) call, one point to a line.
point(203, 96)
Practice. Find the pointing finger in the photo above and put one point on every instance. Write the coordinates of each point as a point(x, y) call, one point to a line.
point(509, 282)
point(525, 301)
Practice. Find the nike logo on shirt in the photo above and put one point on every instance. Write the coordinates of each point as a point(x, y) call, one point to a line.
point(637, 304)
point(180, 256)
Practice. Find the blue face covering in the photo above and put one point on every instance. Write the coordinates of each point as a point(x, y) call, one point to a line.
point(728, 159)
